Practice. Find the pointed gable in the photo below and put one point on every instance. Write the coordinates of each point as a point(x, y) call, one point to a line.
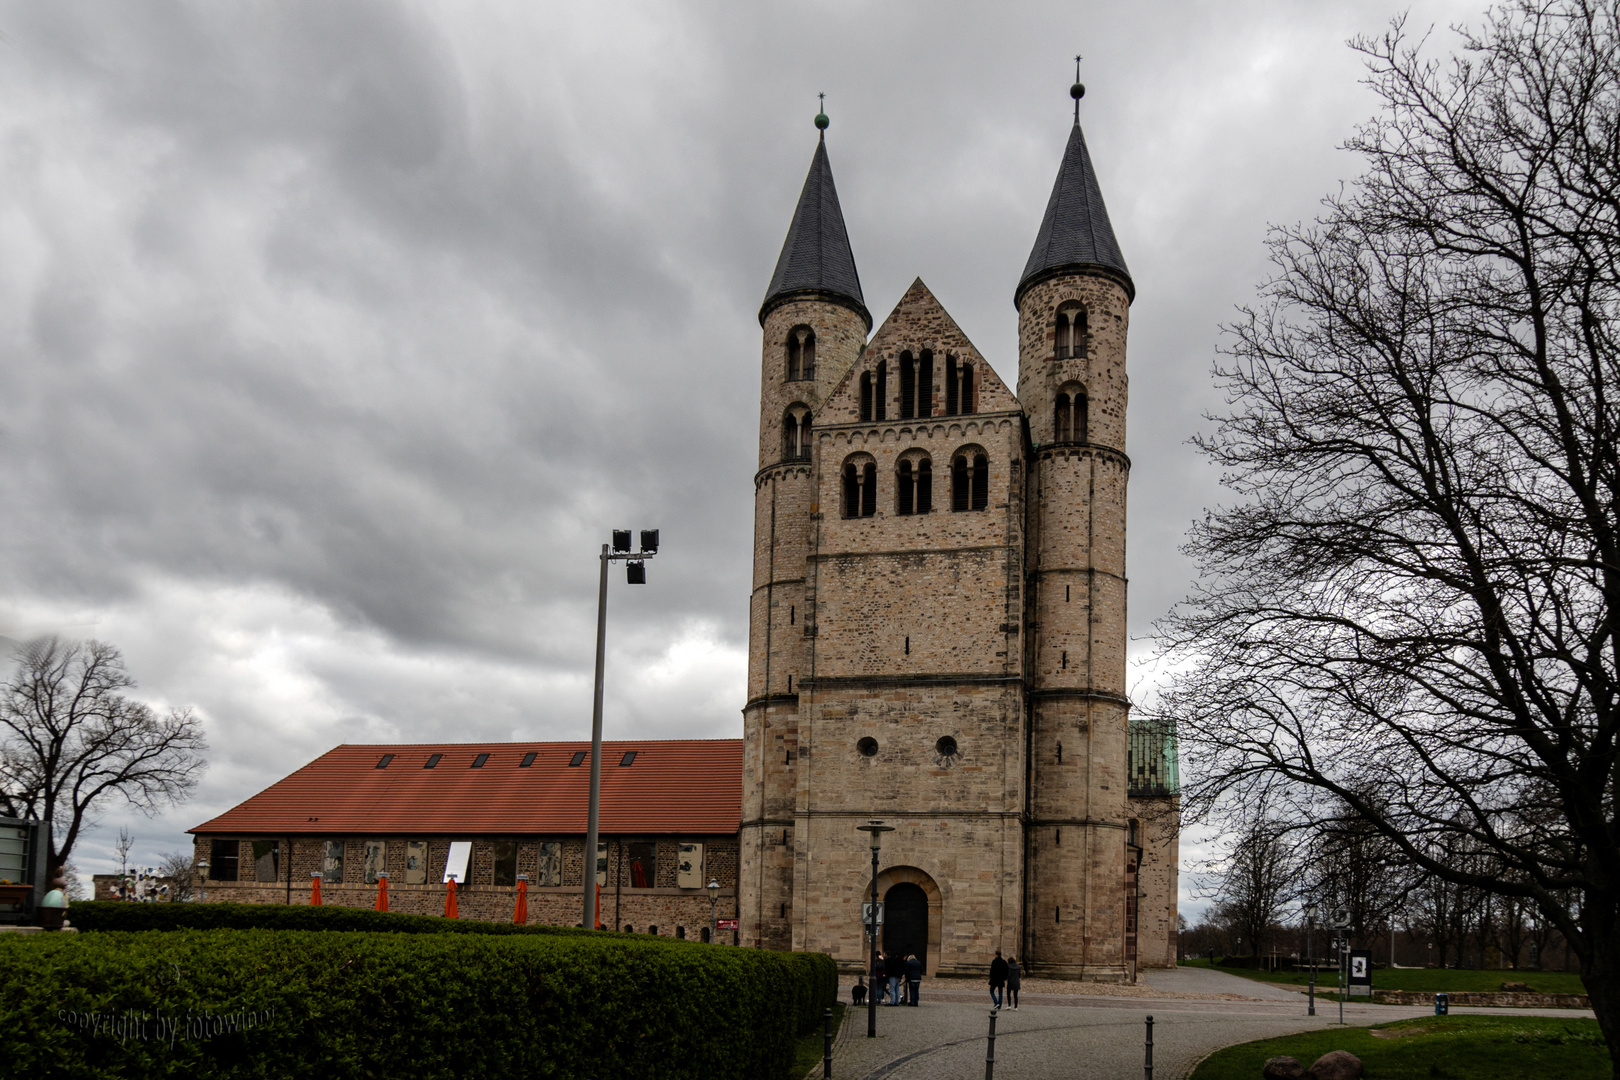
point(816, 259)
point(918, 322)
point(1075, 234)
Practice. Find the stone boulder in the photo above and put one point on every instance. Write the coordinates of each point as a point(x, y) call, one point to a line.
point(1283, 1068)
point(1336, 1065)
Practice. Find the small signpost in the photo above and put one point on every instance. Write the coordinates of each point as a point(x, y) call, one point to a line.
point(726, 924)
point(866, 915)
point(1361, 970)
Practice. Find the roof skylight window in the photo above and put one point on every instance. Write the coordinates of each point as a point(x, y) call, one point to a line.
point(386, 758)
point(528, 759)
point(478, 762)
point(432, 761)
point(577, 759)
point(628, 759)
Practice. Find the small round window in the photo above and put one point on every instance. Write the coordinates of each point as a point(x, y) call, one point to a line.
point(946, 747)
point(867, 747)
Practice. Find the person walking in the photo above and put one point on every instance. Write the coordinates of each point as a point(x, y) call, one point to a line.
point(896, 967)
point(998, 978)
point(913, 977)
point(1015, 975)
point(880, 984)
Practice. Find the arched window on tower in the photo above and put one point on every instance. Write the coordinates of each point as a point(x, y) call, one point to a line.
point(925, 384)
point(801, 353)
point(796, 433)
point(914, 485)
point(908, 386)
point(1069, 333)
point(970, 480)
point(1069, 414)
point(880, 393)
point(866, 397)
point(1060, 337)
point(860, 486)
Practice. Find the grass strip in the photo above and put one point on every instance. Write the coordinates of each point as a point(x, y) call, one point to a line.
point(1426, 980)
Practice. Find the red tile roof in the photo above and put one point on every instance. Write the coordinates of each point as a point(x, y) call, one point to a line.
point(674, 786)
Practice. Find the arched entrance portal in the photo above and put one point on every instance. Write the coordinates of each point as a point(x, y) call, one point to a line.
point(905, 922)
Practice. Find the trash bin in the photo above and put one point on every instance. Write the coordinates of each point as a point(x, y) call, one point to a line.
point(1442, 1004)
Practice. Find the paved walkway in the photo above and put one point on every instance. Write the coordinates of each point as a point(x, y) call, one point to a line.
point(1073, 1037)
point(1193, 980)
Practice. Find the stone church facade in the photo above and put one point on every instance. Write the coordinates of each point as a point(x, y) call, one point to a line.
point(938, 619)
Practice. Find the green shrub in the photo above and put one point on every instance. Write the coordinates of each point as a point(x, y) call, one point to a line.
point(279, 1003)
point(96, 915)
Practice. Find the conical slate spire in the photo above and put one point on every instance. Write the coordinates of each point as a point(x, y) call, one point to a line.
point(816, 258)
point(1075, 234)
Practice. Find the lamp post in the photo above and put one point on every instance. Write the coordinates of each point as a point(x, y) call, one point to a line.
point(876, 829)
point(1311, 911)
point(636, 574)
point(202, 880)
point(714, 926)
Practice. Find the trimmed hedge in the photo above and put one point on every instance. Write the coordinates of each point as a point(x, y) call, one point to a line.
point(277, 1003)
point(96, 915)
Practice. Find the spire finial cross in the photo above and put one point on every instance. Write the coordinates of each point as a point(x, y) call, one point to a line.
point(1078, 90)
point(821, 115)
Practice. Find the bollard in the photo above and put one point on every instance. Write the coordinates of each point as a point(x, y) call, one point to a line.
point(826, 1043)
point(990, 1049)
point(1147, 1067)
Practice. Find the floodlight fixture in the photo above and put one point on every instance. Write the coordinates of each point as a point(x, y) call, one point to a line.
point(649, 541)
point(621, 539)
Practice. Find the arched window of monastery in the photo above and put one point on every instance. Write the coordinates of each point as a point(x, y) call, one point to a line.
point(1069, 332)
point(796, 433)
point(914, 484)
point(860, 486)
point(880, 392)
point(1069, 414)
point(925, 384)
point(801, 353)
point(866, 397)
point(970, 479)
point(908, 386)
point(958, 387)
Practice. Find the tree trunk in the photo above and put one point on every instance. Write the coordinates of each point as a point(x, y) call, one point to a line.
point(1600, 973)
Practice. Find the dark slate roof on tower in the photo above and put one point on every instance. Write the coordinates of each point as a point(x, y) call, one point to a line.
point(1075, 233)
point(816, 257)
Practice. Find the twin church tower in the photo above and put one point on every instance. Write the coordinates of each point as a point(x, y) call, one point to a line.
point(938, 618)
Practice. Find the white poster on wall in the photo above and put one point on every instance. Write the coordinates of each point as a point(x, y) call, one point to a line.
point(456, 865)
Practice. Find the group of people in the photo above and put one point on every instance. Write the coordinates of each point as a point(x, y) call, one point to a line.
point(886, 980)
point(1005, 976)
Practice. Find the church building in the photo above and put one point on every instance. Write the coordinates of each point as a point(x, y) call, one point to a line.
point(938, 618)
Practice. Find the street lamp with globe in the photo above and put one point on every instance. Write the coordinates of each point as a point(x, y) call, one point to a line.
point(875, 829)
point(714, 927)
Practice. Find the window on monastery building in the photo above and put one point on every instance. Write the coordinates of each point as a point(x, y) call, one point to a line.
point(376, 859)
point(266, 859)
point(970, 482)
point(914, 486)
point(478, 761)
point(505, 862)
point(549, 872)
point(689, 866)
point(705, 934)
point(643, 864)
point(577, 760)
point(628, 759)
point(223, 858)
point(1069, 415)
point(801, 353)
point(629, 929)
point(796, 433)
point(1069, 334)
point(958, 387)
point(332, 863)
point(382, 762)
point(880, 392)
point(916, 385)
point(528, 759)
point(680, 933)
point(416, 859)
point(860, 489)
point(601, 863)
point(432, 761)
point(868, 746)
point(866, 397)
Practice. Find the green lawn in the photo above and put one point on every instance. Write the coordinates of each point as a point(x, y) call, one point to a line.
point(808, 1054)
point(1426, 979)
point(1471, 1047)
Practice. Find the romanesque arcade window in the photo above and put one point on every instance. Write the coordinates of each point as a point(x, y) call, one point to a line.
point(1070, 414)
point(796, 433)
point(958, 388)
point(860, 487)
point(914, 485)
point(970, 480)
point(874, 393)
point(916, 385)
point(1069, 336)
point(801, 353)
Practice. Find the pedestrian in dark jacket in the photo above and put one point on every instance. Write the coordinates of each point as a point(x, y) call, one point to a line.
point(880, 981)
point(913, 977)
point(998, 978)
point(1015, 975)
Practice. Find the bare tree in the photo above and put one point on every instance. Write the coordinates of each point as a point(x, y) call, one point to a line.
point(125, 841)
point(1256, 879)
point(70, 741)
point(1417, 588)
point(177, 870)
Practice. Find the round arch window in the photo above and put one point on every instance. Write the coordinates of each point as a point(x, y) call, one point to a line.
point(946, 747)
point(867, 747)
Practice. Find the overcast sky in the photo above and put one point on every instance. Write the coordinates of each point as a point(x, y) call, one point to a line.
point(337, 335)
